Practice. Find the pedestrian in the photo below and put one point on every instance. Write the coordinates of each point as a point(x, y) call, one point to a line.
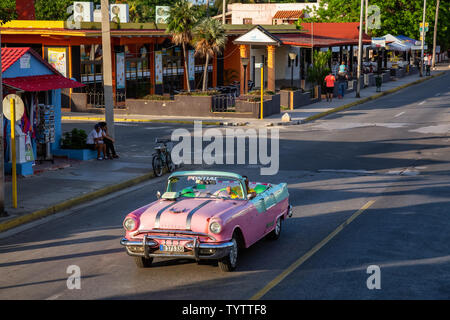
point(330, 80)
point(342, 78)
point(109, 141)
point(343, 68)
point(95, 142)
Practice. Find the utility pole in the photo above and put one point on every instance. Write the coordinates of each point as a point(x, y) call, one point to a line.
point(224, 11)
point(367, 14)
point(107, 68)
point(436, 16)
point(358, 74)
point(423, 37)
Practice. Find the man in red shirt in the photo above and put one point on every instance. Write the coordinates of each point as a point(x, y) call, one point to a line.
point(330, 80)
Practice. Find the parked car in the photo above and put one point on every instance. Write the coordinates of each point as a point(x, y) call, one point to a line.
point(206, 215)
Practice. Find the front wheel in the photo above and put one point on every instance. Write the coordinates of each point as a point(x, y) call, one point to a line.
point(229, 263)
point(157, 166)
point(276, 232)
point(169, 164)
point(142, 262)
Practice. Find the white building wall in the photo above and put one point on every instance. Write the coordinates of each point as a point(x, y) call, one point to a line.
point(282, 69)
point(262, 13)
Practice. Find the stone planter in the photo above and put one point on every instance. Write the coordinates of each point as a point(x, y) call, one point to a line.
point(299, 98)
point(271, 105)
point(182, 105)
point(78, 154)
point(79, 102)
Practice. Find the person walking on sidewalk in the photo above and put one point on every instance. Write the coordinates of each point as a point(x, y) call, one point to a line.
point(95, 142)
point(341, 80)
point(109, 141)
point(330, 80)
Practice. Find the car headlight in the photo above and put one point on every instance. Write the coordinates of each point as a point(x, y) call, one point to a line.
point(130, 224)
point(215, 227)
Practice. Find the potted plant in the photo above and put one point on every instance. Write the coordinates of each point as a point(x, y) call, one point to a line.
point(319, 70)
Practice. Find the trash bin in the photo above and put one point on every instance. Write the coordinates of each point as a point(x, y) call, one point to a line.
point(378, 82)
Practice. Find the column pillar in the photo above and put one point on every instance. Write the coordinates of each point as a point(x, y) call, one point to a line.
point(271, 68)
point(243, 54)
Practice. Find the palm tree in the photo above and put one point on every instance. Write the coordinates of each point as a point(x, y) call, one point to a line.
point(180, 23)
point(209, 39)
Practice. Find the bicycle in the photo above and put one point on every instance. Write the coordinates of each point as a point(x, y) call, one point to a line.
point(162, 158)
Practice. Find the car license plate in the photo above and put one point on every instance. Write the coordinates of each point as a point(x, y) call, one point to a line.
point(167, 248)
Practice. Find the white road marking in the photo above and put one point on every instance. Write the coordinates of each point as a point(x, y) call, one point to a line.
point(442, 128)
point(398, 115)
point(422, 102)
point(347, 171)
point(437, 94)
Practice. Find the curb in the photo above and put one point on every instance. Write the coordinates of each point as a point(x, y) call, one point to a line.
point(212, 123)
point(9, 224)
point(364, 100)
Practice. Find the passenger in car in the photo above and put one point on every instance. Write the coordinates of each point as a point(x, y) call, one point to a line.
point(251, 193)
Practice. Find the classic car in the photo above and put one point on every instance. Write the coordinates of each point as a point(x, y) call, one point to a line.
point(206, 215)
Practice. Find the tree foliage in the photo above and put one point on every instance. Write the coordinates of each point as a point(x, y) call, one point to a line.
point(209, 39)
point(398, 17)
point(7, 10)
point(320, 69)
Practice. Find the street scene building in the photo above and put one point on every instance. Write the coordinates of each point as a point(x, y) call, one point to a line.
point(197, 150)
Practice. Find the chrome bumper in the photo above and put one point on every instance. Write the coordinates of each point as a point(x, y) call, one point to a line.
point(150, 248)
point(290, 211)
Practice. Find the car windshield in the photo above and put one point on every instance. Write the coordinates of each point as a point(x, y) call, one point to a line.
point(206, 187)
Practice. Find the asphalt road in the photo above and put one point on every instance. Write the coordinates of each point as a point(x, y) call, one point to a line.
point(393, 151)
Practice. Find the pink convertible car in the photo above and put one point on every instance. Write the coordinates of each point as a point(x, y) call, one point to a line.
point(206, 215)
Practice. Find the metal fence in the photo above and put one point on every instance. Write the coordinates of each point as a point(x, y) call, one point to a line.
point(224, 102)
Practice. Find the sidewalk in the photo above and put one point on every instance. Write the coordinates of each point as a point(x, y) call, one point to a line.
point(52, 191)
point(298, 116)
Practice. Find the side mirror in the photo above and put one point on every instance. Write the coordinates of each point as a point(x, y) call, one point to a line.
point(251, 196)
point(158, 195)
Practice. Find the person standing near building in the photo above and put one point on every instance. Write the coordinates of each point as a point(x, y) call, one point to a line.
point(329, 81)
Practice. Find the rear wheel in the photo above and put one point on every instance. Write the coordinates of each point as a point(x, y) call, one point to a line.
point(275, 234)
point(142, 262)
point(157, 166)
point(229, 263)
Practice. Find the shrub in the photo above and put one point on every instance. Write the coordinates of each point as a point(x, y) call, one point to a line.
point(76, 139)
point(200, 93)
point(258, 93)
point(156, 97)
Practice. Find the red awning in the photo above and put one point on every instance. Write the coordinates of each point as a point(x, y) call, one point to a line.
point(41, 83)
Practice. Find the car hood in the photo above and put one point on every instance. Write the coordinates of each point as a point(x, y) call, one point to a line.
point(185, 214)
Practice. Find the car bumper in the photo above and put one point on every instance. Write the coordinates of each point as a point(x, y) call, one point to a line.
point(199, 251)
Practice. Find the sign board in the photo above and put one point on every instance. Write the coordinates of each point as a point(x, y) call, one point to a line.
point(158, 68)
point(425, 47)
point(120, 70)
point(259, 65)
point(25, 61)
point(57, 58)
point(438, 49)
point(18, 104)
point(191, 65)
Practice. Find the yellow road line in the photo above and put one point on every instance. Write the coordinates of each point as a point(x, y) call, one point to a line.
point(309, 254)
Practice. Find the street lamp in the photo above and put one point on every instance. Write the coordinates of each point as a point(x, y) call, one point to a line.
point(245, 62)
point(292, 56)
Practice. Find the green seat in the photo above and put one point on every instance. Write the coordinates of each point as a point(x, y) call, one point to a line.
point(188, 192)
point(260, 188)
